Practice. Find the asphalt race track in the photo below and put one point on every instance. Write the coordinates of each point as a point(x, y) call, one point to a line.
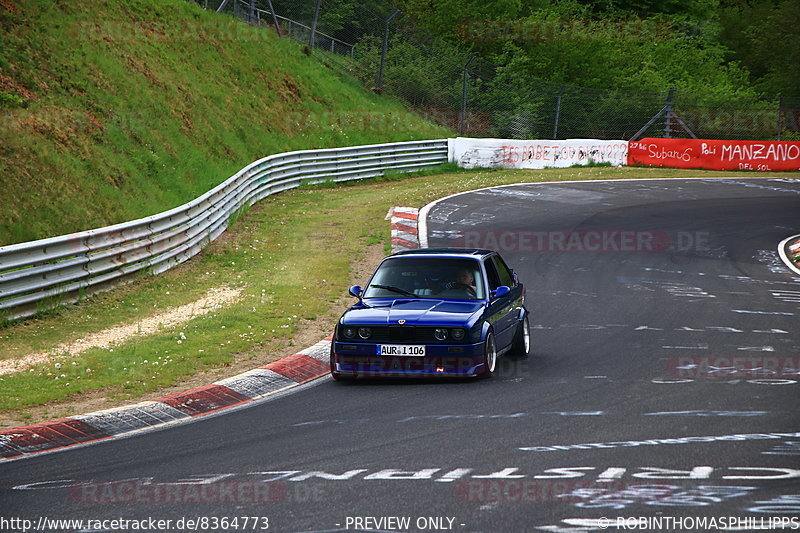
point(665, 382)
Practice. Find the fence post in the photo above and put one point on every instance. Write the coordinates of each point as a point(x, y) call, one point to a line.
point(385, 48)
point(314, 25)
point(274, 18)
point(558, 111)
point(668, 111)
point(780, 116)
point(462, 122)
point(251, 13)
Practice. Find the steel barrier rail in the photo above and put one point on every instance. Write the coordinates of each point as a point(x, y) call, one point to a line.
point(41, 274)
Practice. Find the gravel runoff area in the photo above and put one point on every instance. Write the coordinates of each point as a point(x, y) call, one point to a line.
point(214, 299)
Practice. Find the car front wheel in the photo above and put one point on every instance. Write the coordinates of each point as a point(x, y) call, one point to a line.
point(489, 356)
point(522, 339)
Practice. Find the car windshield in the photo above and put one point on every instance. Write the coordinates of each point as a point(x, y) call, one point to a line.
point(427, 277)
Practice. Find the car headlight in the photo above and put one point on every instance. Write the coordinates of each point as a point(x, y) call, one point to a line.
point(364, 333)
point(349, 333)
point(458, 334)
point(440, 334)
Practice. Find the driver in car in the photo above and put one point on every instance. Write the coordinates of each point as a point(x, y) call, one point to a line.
point(465, 280)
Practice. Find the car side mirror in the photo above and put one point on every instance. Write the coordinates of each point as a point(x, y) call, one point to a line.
point(499, 292)
point(355, 290)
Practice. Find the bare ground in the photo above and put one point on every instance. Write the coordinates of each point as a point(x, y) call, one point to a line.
point(214, 299)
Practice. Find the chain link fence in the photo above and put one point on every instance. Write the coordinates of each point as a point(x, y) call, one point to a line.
point(384, 49)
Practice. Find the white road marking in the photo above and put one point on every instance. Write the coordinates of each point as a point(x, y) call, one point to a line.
point(588, 522)
point(611, 474)
point(789, 447)
point(743, 311)
point(575, 413)
point(662, 442)
point(708, 413)
point(699, 347)
point(787, 296)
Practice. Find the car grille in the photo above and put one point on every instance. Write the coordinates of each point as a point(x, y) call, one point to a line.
point(406, 334)
point(403, 334)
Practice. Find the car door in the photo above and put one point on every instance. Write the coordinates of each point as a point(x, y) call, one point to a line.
point(501, 310)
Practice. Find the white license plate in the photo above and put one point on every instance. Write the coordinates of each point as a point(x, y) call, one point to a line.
point(401, 350)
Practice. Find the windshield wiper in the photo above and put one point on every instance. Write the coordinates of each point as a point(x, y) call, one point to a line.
point(394, 289)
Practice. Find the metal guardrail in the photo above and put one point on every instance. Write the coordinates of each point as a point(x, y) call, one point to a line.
point(42, 274)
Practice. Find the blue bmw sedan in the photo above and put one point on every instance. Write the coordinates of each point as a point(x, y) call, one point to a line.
point(437, 312)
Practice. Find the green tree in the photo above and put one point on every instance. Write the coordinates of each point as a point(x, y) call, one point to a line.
point(762, 36)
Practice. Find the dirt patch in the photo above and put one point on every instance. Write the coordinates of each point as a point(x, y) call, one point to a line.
point(309, 333)
point(8, 85)
point(142, 69)
point(289, 90)
point(186, 121)
point(215, 299)
point(94, 121)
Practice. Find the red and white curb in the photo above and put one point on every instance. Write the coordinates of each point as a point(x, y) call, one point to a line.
point(789, 250)
point(304, 366)
point(405, 234)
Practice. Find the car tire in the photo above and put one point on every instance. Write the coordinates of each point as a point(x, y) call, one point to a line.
point(489, 356)
point(522, 339)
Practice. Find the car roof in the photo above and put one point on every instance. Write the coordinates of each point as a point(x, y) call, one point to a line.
point(445, 252)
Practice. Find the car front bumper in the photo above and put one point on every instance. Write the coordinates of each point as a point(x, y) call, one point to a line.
point(440, 360)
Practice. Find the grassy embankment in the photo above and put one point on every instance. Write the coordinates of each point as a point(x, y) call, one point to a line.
point(114, 110)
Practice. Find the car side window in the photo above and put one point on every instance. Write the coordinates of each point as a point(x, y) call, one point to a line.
point(503, 272)
point(491, 273)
